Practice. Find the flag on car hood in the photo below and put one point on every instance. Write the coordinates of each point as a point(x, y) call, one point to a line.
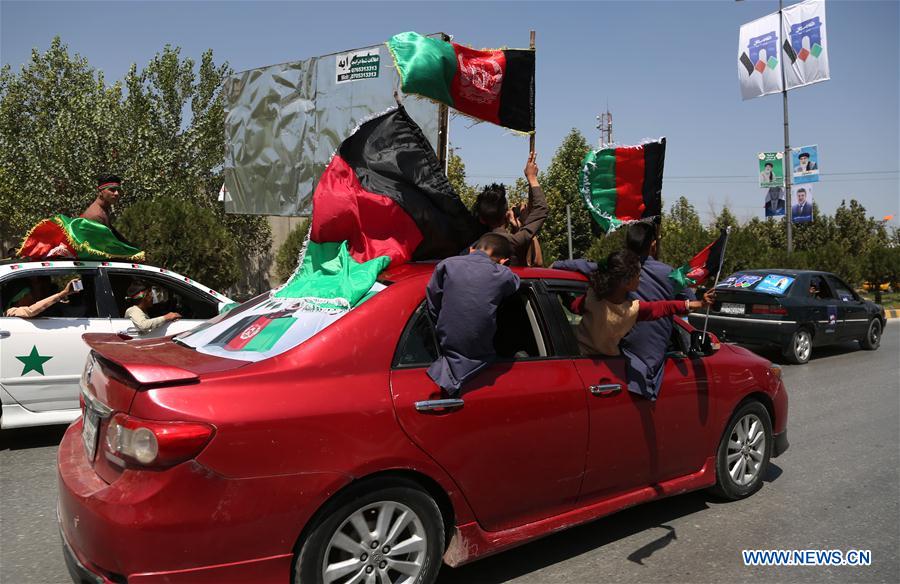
point(707, 262)
point(492, 85)
point(385, 193)
point(63, 237)
point(623, 184)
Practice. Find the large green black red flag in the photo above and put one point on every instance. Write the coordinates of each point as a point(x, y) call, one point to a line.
point(703, 265)
point(623, 184)
point(492, 85)
point(385, 193)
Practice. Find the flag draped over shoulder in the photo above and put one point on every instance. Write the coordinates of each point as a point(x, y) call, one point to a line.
point(64, 237)
point(492, 85)
point(384, 192)
point(623, 184)
point(706, 263)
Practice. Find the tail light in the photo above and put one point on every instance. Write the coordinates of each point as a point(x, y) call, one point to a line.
point(132, 441)
point(768, 309)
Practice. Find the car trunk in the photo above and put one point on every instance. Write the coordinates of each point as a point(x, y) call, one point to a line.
point(747, 303)
point(118, 368)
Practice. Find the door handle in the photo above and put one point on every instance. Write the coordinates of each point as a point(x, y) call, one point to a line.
point(4, 334)
point(605, 389)
point(433, 405)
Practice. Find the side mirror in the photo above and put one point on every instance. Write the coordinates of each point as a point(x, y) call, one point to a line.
point(703, 344)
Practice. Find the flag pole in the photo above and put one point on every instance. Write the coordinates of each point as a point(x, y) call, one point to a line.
point(531, 137)
point(718, 272)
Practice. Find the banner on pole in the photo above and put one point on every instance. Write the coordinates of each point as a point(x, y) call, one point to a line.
point(805, 47)
point(759, 65)
point(775, 202)
point(802, 210)
point(771, 169)
point(805, 164)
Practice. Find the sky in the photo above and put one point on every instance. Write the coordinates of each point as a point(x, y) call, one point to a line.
point(665, 68)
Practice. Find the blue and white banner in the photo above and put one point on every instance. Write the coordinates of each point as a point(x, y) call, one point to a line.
point(805, 164)
point(759, 63)
point(805, 44)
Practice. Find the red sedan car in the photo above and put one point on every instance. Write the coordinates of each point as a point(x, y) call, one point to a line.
point(327, 455)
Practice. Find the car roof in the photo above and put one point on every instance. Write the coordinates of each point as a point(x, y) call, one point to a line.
point(422, 269)
point(14, 265)
point(781, 272)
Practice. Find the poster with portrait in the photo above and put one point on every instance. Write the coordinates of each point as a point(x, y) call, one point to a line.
point(771, 169)
point(805, 164)
point(802, 207)
point(774, 204)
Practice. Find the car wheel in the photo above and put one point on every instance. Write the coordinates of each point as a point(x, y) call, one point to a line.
point(744, 452)
point(376, 533)
point(872, 339)
point(800, 347)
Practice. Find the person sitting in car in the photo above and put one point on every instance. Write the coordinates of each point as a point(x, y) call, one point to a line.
point(23, 305)
point(608, 311)
point(141, 295)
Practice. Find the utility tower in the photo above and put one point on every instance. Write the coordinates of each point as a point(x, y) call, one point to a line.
point(604, 124)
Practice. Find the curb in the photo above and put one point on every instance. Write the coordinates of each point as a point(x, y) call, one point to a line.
point(893, 313)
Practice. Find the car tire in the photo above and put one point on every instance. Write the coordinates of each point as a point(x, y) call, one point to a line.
point(375, 506)
point(872, 340)
point(744, 452)
point(799, 349)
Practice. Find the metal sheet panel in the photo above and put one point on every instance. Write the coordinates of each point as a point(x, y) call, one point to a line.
point(284, 122)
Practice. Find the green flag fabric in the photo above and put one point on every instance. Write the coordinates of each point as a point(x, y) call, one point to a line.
point(61, 236)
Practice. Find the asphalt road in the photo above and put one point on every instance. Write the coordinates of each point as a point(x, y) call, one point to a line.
point(837, 487)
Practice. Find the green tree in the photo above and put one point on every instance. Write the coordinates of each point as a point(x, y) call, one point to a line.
point(170, 241)
point(456, 174)
point(560, 184)
point(289, 253)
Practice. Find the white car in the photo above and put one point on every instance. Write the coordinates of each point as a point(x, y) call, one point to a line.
point(41, 359)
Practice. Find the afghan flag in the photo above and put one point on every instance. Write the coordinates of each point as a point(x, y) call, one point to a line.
point(495, 86)
point(63, 237)
point(623, 184)
point(385, 193)
point(707, 262)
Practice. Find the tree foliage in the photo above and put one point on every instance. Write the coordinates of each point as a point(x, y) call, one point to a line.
point(160, 128)
point(167, 229)
point(560, 184)
point(288, 254)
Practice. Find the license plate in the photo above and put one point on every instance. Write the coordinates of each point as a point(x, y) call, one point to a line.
point(732, 308)
point(89, 432)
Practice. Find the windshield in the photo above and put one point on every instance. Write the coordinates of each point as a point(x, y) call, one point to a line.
point(775, 284)
point(262, 327)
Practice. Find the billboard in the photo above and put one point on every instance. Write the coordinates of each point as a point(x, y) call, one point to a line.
point(284, 122)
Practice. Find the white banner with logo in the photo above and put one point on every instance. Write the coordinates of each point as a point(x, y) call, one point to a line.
point(759, 63)
point(805, 45)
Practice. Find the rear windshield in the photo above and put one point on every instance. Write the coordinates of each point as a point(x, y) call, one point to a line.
point(260, 328)
point(775, 284)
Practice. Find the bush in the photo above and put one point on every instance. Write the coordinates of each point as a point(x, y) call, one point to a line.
point(183, 237)
point(289, 252)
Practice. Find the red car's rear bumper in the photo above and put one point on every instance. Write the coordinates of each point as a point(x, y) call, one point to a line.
point(183, 524)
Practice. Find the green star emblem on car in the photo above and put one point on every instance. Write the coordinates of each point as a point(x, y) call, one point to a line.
point(34, 361)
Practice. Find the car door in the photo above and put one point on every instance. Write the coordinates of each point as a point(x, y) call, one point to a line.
point(635, 442)
point(851, 310)
point(194, 306)
point(822, 303)
point(41, 358)
point(515, 439)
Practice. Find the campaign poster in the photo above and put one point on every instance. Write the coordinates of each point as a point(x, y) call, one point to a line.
point(775, 202)
point(805, 164)
point(802, 208)
point(775, 284)
point(771, 169)
point(805, 47)
point(758, 58)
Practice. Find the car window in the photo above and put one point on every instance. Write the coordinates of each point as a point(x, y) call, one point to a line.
point(521, 333)
point(180, 298)
point(842, 290)
point(81, 304)
point(819, 288)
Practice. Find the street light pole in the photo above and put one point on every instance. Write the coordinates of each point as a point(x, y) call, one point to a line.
point(787, 164)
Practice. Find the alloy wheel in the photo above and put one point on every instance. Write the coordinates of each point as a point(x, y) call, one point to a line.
point(381, 543)
point(802, 346)
point(746, 449)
